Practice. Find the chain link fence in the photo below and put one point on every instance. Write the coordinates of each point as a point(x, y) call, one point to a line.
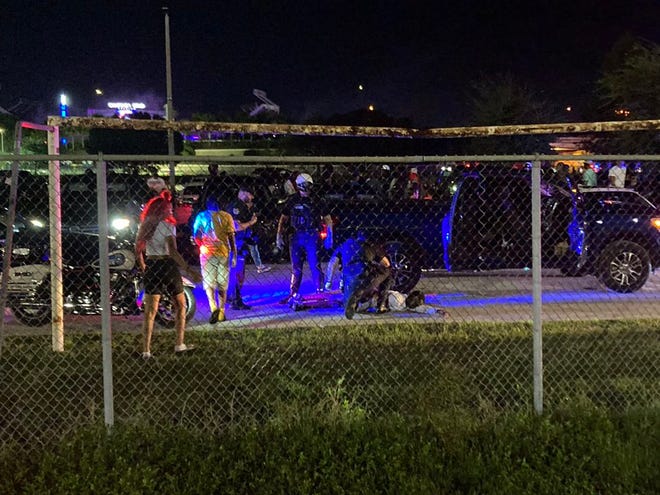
point(459, 230)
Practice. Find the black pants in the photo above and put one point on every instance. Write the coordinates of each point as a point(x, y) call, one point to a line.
point(363, 282)
point(305, 244)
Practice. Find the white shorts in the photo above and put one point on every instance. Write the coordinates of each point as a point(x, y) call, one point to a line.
point(215, 271)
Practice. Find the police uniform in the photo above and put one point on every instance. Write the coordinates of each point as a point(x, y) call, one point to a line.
point(364, 275)
point(305, 216)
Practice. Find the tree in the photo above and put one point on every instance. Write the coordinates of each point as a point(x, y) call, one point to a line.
point(629, 88)
point(632, 83)
point(504, 100)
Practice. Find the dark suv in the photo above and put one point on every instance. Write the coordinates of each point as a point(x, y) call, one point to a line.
point(611, 233)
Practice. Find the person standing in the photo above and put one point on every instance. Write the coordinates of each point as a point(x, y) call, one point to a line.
point(253, 246)
point(616, 177)
point(213, 232)
point(244, 218)
point(216, 185)
point(589, 177)
point(306, 215)
point(156, 239)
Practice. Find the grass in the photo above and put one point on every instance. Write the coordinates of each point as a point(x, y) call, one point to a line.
point(245, 378)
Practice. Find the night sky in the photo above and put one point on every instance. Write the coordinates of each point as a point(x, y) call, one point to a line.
point(414, 58)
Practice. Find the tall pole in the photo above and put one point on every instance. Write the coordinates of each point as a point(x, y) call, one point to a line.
point(169, 108)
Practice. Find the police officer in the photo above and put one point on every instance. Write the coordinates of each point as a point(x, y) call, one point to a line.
point(367, 272)
point(305, 214)
point(244, 218)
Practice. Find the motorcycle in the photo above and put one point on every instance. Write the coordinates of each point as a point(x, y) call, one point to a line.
point(29, 296)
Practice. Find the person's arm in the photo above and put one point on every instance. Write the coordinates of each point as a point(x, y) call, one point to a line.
point(139, 255)
point(239, 226)
point(232, 247)
point(174, 253)
point(280, 229)
point(197, 229)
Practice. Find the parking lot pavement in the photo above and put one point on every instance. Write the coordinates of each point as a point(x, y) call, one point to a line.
point(504, 296)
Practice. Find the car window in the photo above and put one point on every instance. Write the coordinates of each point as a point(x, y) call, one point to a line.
point(622, 202)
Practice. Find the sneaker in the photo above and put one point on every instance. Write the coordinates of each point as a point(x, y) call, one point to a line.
point(240, 306)
point(263, 269)
point(147, 355)
point(178, 349)
point(214, 316)
point(351, 305)
point(222, 318)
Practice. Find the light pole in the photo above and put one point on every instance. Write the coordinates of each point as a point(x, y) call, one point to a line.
point(2, 138)
point(169, 110)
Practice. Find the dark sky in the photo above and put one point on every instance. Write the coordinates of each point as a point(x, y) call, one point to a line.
point(413, 57)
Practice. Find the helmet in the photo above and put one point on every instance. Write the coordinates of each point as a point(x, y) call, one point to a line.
point(304, 182)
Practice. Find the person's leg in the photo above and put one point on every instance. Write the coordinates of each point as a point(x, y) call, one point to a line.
point(312, 250)
point(179, 318)
point(256, 256)
point(222, 282)
point(330, 269)
point(208, 280)
point(239, 270)
point(150, 305)
point(296, 249)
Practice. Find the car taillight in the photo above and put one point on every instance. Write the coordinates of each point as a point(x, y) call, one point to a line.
point(656, 222)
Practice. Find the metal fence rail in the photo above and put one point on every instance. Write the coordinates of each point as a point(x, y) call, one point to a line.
point(486, 239)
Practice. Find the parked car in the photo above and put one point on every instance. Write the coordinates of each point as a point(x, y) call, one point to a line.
point(613, 234)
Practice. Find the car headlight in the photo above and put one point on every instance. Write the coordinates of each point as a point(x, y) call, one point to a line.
point(120, 223)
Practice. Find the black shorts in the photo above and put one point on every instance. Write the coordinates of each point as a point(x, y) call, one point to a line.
point(162, 276)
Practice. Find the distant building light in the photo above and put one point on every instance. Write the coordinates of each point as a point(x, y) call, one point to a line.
point(98, 91)
point(126, 106)
point(569, 108)
point(371, 108)
point(64, 106)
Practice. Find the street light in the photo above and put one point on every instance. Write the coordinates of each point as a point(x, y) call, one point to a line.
point(169, 111)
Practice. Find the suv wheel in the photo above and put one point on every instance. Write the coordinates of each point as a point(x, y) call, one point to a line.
point(624, 266)
point(406, 270)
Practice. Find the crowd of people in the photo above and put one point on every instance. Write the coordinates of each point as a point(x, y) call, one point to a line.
point(223, 232)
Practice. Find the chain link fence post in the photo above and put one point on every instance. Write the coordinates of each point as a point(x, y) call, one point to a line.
point(106, 313)
point(537, 287)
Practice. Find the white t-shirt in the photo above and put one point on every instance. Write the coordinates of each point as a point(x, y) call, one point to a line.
point(619, 174)
point(157, 245)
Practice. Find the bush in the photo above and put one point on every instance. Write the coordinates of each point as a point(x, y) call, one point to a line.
point(580, 449)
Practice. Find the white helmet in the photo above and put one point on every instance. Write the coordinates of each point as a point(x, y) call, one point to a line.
point(304, 182)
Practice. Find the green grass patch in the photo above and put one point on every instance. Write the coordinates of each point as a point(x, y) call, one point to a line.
point(246, 378)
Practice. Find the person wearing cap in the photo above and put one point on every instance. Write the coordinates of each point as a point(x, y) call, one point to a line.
point(304, 215)
point(244, 219)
